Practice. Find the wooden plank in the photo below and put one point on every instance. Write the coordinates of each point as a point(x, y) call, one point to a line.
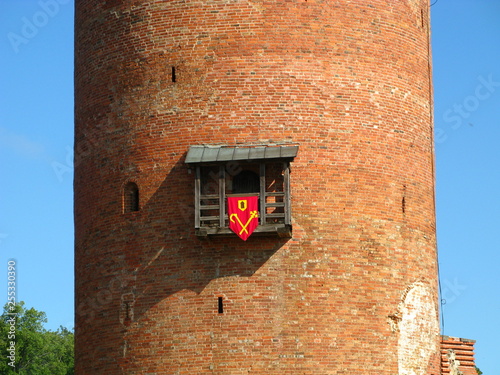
point(278, 215)
point(275, 194)
point(286, 188)
point(222, 192)
point(275, 204)
point(209, 207)
point(210, 196)
point(209, 218)
point(262, 194)
point(243, 195)
point(197, 197)
point(281, 230)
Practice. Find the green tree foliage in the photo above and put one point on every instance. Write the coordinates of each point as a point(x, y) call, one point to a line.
point(479, 372)
point(37, 351)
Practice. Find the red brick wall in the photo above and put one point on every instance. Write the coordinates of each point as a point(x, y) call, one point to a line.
point(457, 356)
point(354, 289)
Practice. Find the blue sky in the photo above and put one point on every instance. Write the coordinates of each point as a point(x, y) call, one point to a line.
point(36, 133)
point(466, 55)
point(36, 139)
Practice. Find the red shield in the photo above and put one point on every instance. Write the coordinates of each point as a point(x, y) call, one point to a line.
point(243, 215)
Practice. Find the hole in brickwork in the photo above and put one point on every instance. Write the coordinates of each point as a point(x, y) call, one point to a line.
point(127, 311)
point(403, 200)
point(174, 78)
point(131, 197)
point(220, 305)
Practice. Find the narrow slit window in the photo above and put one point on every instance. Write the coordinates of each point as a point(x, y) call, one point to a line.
point(220, 305)
point(174, 78)
point(131, 197)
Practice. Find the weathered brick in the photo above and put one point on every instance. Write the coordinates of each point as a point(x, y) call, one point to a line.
point(354, 291)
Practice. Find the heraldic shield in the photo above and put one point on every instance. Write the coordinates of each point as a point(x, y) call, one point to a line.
point(243, 215)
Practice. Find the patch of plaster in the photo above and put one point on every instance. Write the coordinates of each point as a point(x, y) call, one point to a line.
point(454, 363)
point(417, 323)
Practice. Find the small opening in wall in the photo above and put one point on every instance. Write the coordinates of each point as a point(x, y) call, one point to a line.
point(131, 197)
point(403, 200)
point(174, 78)
point(221, 305)
point(127, 315)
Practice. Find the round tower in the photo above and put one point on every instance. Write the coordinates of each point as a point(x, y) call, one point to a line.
point(321, 109)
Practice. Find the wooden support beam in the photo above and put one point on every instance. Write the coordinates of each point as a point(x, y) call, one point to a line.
point(197, 195)
point(222, 195)
point(262, 194)
point(286, 188)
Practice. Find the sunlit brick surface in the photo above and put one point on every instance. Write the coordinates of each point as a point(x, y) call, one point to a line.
point(354, 290)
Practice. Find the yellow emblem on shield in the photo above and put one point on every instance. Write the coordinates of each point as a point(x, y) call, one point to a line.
point(242, 204)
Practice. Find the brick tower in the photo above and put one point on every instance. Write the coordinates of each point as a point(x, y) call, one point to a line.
point(320, 108)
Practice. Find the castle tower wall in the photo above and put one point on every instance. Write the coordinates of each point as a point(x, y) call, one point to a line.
point(354, 289)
